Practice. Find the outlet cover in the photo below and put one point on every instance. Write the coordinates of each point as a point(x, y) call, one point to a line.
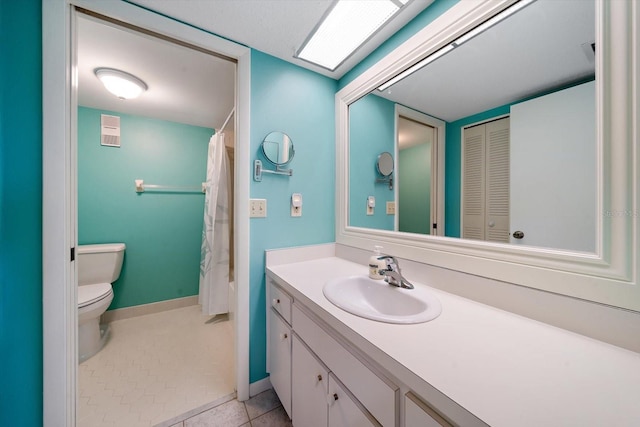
point(257, 208)
point(391, 208)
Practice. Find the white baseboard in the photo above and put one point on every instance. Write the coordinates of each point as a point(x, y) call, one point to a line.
point(259, 386)
point(155, 307)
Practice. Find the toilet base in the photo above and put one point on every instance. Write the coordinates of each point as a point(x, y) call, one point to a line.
point(92, 337)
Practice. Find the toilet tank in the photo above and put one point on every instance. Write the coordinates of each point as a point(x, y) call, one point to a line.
point(99, 263)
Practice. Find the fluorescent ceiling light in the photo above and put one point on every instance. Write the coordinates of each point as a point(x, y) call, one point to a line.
point(121, 84)
point(345, 28)
point(491, 22)
point(457, 42)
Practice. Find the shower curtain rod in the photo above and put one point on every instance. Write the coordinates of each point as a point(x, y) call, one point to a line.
point(233, 110)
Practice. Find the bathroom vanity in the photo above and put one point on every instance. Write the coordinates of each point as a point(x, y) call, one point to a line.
point(474, 365)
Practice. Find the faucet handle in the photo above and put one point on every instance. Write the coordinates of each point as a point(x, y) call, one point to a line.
point(392, 262)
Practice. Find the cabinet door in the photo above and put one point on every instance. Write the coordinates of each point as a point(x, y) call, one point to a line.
point(309, 388)
point(343, 410)
point(280, 359)
point(418, 413)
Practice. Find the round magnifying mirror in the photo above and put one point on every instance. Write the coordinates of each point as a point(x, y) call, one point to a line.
point(385, 164)
point(277, 148)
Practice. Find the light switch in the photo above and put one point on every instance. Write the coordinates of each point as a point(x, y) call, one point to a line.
point(391, 208)
point(257, 208)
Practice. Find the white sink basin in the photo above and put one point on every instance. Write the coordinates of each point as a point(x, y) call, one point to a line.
point(377, 300)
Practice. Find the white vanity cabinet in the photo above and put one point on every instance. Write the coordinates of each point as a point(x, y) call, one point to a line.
point(318, 381)
point(324, 380)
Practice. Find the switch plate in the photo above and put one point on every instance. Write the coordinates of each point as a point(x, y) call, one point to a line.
point(257, 208)
point(391, 208)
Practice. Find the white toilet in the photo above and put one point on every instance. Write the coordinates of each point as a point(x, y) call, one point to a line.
point(98, 267)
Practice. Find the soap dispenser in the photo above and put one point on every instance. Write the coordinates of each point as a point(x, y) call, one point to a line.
point(375, 264)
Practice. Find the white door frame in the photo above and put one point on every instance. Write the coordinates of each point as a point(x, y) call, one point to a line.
point(59, 93)
point(437, 162)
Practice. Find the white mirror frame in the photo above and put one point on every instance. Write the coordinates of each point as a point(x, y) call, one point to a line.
point(609, 276)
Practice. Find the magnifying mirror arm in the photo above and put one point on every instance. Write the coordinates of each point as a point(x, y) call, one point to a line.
point(258, 170)
point(388, 179)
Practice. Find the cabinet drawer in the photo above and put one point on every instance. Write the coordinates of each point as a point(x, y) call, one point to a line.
point(377, 396)
point(418, 413)
point(280, 301)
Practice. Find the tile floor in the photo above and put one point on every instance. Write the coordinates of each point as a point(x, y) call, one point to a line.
point(263, 410)
point(156, 367)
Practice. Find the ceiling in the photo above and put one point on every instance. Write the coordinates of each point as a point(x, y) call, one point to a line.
point(276, 27)
point(188, 86)
point(192, 87)
point(545, 46)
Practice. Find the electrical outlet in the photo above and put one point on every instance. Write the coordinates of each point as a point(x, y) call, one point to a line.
point(391, 208)
point(371, 204)
point(257, 208)
point(296, 204)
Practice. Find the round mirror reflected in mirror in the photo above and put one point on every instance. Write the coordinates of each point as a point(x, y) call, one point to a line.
point(385, 164)
point(277, 148)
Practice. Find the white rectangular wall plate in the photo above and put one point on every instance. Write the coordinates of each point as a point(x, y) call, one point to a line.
point(296, 204)
point(391, 208)
point(257, 208)
point(371, 204)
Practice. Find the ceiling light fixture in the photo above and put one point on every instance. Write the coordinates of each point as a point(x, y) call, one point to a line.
point(457, 42)
point(121, 84)
point(346, 27)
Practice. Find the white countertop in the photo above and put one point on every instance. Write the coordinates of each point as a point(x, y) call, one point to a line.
point(505, 369)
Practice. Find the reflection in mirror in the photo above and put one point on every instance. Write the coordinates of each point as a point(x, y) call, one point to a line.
point(277, 148)
point(416, 144)
point(385, 164)
point(534, 172)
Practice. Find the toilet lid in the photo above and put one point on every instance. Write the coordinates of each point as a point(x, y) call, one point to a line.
point(88, 294)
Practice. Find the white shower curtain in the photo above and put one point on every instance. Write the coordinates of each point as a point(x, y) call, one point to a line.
point(214, 262)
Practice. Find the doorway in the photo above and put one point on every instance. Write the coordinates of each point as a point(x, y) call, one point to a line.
point(163, 136)
point(59, 206)
point(420, 172)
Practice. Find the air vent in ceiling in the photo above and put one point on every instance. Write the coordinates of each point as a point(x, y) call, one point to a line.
point(110, 130)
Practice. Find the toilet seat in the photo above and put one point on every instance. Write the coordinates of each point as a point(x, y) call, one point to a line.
point(89, 294)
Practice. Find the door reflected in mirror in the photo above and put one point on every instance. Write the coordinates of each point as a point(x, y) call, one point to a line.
point(536, 67)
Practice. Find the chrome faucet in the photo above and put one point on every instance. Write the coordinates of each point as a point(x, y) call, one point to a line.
point(392, 274)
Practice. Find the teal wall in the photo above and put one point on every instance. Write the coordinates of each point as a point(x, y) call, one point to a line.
point(371, 132)
point(415, 189)
point(162, 230)
point(21, 213)
point(300, 103)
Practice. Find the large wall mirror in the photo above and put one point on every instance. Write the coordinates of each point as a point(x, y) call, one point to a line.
point(514, 119)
